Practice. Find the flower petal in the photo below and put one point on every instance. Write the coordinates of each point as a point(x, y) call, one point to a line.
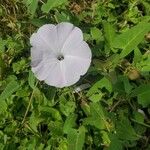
point(81, 50)
point(55, 77)
point(73, 40)
point(46, 38)
point(64, 29)
point(42, 70)
point(36, 56)
point(74, 68)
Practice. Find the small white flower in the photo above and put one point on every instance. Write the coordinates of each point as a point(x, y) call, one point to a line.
point(59, 56)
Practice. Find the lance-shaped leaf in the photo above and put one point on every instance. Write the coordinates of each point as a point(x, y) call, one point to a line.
point(32, 6)
point(31, 80)
point(69, 123)
point(109, 33)
point(52, 4)
point(76, 138)
point(97, 117)
point(143, 94)
point(8, 91)
point(125, 131)
point(129, 40)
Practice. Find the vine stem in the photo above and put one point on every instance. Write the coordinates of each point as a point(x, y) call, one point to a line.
point(27, 110)
point(114, 106)
point(28, 107)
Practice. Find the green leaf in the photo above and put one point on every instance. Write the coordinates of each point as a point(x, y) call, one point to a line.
point(69, 123)
point(105, 137)
point(38, 22)
point(130, 39)
point(9, 90)
point(103, 83)
point(139, 117)
point(48, 111)
point(19, 66)
point(85, 107)
point(115, 143)
point(56, 128)
point(34, 120)
point(66, 107)
point(52, 4)
point(144, 99)
point(31, 80)
point(96, 33)
point(125, 131)
point(97, 117)
point(143, 94)
point(2, 45)
point(76, 139)
point(145, 63)
point(96, 97)
point(137, 55)
point(2, 67)
point(141, 89)
point(109, 33)
point(3, 106)
point(32, 6)
point(127, 86)
point(62, 17)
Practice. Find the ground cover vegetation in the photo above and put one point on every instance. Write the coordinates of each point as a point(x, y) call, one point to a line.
point(113, 113)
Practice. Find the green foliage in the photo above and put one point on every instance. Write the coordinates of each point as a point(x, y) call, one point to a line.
point(69, 123)
point(125, 131)
point(115, 144)
point(76, 138)
point(113, 113)
point(129, 39)
point(143, 94)
point(11, 87)
point(2, 67)
point(96, 34)
point(31, 80)
point(32, 6)
point(9, 90)
point(97, 117)
point(52, 4)
point(103, 83)
point(109, 33)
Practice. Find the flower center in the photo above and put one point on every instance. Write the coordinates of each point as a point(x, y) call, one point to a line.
point(60, 57)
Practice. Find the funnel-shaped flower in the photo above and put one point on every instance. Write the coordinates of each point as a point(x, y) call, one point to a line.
point(59, 56)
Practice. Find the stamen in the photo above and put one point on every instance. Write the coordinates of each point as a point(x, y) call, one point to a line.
point(60, 57)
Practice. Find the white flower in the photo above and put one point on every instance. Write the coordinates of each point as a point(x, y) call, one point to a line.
point(59, 56)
